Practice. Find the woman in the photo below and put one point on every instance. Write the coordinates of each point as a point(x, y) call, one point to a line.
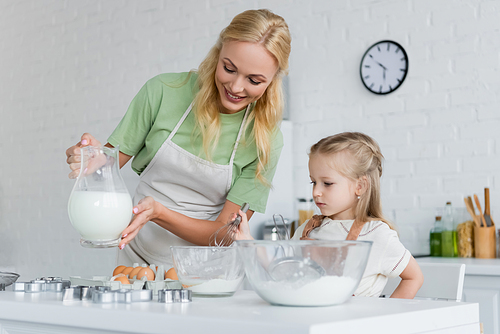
point(203, 143)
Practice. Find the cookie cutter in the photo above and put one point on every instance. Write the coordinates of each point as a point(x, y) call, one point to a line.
point(125, 296)
point(168, 296)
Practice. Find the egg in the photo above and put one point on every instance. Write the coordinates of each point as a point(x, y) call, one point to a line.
point(134, 272)
point(122, 279)
point(146, 272)
point(172, 274)
point(118, 270)
point(127, 270)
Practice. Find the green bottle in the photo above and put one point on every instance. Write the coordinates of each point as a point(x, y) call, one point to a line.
point(435, 238)
point(449, 234)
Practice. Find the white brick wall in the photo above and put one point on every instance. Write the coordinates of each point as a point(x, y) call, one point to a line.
point(67, 67)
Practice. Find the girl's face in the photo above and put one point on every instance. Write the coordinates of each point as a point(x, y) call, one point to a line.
point(243, 73)
point(334, 194)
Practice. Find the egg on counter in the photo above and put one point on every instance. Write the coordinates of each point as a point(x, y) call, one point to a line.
point(145, 272)
point(172, 274)
point(118, 270)
point(122, 279)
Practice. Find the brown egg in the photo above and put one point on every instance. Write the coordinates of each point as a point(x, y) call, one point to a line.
point(127, 270)
point(172, 274)
point(122, 279)
point(148, 272)
point(134, 272)
point(118, 270)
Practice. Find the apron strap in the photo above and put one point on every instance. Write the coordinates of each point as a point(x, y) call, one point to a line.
point(186, 113)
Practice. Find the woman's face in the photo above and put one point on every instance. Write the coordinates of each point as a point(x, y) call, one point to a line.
point(244, 72)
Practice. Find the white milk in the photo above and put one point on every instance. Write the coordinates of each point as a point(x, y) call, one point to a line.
point(328, 290)
point(99, 215)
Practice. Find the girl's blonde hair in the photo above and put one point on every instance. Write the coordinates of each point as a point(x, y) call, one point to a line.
point(363, 158)
point(254, 26)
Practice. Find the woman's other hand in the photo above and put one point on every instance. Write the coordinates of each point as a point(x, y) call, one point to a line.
point(243, 232)
point(143, 212)
point(73, 154)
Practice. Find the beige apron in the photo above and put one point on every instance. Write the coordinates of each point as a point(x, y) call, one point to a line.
point(184, 183)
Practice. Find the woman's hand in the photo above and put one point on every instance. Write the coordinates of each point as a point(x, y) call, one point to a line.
point(243, 232)
point(144, 211)
point(73, 154)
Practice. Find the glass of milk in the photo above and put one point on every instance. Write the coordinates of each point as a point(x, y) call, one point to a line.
point(99, 206)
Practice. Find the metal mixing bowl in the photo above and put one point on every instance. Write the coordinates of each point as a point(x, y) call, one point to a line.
point(304, 273)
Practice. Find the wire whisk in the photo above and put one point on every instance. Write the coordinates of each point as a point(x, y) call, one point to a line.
point(224, 236)
point(275, 217)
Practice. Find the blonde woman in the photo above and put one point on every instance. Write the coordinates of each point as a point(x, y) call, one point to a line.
point(203, 142)
point(345, 171)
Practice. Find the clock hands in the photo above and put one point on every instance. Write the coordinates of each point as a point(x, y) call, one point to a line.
point(383, 67)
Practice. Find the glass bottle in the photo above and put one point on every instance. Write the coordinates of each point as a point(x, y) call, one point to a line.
point(435, 237)
point(99, 206)
point(449, 234)
point(306, 210)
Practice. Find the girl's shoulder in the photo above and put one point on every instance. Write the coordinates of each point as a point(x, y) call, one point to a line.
point(377, 229)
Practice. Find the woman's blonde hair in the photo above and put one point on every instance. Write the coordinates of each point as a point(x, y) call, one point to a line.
point(363, 158)
point(254, 26)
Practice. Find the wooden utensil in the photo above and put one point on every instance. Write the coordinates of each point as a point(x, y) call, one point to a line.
point(483, 222)
point(487, 217)
point(472, 212)
point(477, 221)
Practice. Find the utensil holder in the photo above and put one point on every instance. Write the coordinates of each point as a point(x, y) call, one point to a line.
point(485, 242)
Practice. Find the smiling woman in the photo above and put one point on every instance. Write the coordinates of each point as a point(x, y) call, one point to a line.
point(203, 142)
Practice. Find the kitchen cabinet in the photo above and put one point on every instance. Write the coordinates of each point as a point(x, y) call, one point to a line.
point(243, 313)
point(481, 285)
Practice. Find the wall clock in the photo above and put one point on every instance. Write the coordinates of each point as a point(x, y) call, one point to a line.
point(384, 67)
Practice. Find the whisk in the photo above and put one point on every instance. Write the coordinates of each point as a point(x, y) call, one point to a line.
point(229, 230)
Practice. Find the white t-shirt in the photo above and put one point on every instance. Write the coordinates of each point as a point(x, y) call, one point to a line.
point(388, 257)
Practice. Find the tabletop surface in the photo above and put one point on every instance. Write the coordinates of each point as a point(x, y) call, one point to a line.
point(245, 312)
point(473, 266)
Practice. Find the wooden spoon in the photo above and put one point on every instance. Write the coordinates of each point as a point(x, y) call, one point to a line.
point(470, 209)
point(480, 210)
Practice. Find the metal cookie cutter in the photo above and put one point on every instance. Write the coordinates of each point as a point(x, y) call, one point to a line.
point(18, 286)
point(174, 296)
point(72, 293)
point(103, 296)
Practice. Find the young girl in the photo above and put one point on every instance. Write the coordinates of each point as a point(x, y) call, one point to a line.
point(345, 171)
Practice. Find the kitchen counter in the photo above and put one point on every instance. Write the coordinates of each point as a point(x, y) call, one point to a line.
point(245, 312)
point(481, 285)
point(473, 266)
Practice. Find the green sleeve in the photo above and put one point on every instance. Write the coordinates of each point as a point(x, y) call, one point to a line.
point(131, 132)
point(248, 189)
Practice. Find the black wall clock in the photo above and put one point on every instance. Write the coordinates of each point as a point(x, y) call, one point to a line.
point(384, 67)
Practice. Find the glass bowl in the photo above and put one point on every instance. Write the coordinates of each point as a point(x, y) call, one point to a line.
point(208, 271)
point(304, 272)
point(8, 278)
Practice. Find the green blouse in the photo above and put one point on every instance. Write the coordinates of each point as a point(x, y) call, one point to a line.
point(155, 111)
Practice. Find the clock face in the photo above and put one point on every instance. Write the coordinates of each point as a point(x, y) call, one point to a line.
point(384, 67)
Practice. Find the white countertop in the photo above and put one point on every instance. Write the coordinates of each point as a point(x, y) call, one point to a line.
point(242, 313)
point(473, 266)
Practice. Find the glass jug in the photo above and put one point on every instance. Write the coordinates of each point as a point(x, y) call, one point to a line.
point(99, 206)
